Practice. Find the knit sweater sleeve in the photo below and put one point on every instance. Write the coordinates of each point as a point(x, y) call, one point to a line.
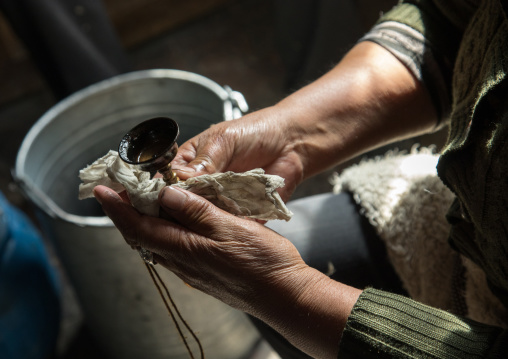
point(385, 325)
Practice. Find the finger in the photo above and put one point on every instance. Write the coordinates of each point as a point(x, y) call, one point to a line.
point(194, 212)
point(121, 213)
point(190, 165)
point(204, 154)
point(138, 230)
point(105, 195)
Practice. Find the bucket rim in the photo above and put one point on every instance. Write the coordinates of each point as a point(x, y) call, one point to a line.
point(38, 197)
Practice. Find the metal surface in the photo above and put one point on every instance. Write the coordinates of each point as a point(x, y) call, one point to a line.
point(120, 304)
point(84, 126)
point(151, 146)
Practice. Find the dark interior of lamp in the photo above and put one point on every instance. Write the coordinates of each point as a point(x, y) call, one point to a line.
point(148, 141)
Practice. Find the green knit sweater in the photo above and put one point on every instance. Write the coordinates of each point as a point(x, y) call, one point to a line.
point(471, 38)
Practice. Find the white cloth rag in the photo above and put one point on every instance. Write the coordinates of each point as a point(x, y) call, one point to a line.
point(250, 194)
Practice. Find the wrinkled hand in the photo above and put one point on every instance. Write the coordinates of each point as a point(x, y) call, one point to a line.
point(263, 139)
point(238, 261)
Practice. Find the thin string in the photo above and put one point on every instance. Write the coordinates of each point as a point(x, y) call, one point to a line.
point(152, 271)
point(201, 352)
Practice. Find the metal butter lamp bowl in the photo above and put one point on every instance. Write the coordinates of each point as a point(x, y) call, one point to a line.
point(152, 146)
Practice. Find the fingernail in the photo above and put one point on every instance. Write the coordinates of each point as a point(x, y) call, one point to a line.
point(104, 193)
point(182, 170)
point(172, 198)
point(199, 168)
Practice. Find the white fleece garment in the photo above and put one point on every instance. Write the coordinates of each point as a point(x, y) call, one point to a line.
point(406, 202)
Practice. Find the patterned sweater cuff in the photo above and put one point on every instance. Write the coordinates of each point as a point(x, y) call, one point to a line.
point(385, 325)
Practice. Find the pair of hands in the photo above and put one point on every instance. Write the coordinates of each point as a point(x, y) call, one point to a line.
point(365, 101)
point(236, 260)
point(227, 257)
point(239, 261)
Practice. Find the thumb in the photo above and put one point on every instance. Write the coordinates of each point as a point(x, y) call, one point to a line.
point(193, 160)
point(191, 210)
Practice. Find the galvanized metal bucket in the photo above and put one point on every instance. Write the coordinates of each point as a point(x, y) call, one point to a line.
point(120, 303)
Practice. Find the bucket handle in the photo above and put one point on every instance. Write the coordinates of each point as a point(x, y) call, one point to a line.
point(235, 105)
